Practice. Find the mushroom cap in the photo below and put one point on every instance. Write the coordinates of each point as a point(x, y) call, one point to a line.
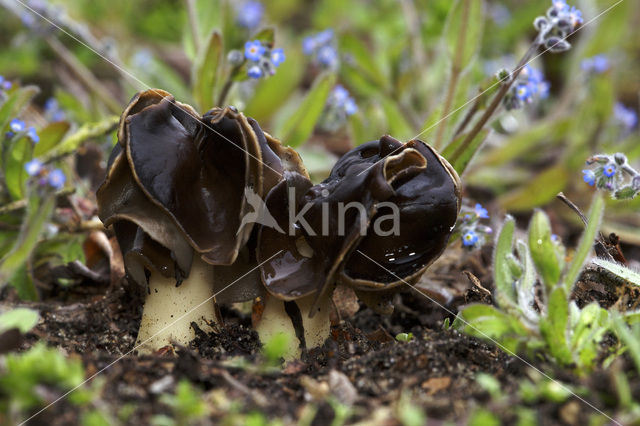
point(428, 205)
point(181, 178)
point(305, 259)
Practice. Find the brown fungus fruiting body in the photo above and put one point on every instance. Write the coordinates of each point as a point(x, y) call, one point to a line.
point(184, 193)
point(339, 237)
point(175, 193)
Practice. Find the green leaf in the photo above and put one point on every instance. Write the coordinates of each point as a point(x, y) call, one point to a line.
point(266, 36)
point(553, 326)
point(363, 62)
point(39, 210)
point(538, 191)
point(397, 124)
point(586, 242)
point(503, 279)
point(483, 417)
point(525, 288)
point(590, 327)
point(626, 193)
point(23, 283)
point(630, 338)
point(50, 136)
point(487, 322)
point(87, 131)
point(463, 32)
point(543, 251)
point(533, 138)
point(16, 100)
point(206, 70)
point(269, 97)
point(15, 174)
point(459, 157)
point(297, 129)
point(619, 270)
point(21, 318)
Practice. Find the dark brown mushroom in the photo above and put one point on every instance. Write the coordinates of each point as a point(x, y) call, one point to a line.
point(175, 194)
point(340, 227)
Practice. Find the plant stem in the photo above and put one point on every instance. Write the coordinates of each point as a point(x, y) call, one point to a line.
point(227, 85)
point(455, 74)
point(471, 112)
point(193, 24)
point(495, 103)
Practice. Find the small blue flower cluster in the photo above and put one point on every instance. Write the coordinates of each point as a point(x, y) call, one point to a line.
point(261, 59)
point(339, 106)
point(54, 178)
point(249, 14)
point(4, 84)
point(472, 233)
point(52, 111)
point(625, 116)
point(17, 127)
point(597, 64)
point(530, 84)
point(322, 48)
point(553, 29)
point(613, 173)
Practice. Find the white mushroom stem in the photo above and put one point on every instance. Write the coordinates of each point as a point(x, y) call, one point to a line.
point(275, 319)
point(169, 310)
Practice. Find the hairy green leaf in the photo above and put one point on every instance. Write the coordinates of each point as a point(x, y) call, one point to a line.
point(50, 137)
point(459, 157)
point(16, 101)
point(503, 279)
point(23, 319)
point(463, 32)
point(206, 70)
point(553, 326)
point(586, 242)
point(299, 126)
point(543, 251)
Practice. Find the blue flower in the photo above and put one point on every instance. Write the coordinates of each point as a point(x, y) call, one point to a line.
point(17, 125)
point(575, 17)
point(523, 92)
point(339, 95)
point(609, 170)
point(600, 63)
point(324, 37)
point(341, 101)
point(277, 56)
point(597, 64)
point(143, 58)
point(249, 14)
point(253, 50)
point(350, 106)
point(56, 179)
point(469, 238)
point(560, 5)
point(52, 110)
point(543, 89)
point(328, 56)
point(254, 71)
point(624, 115)
point(33, 135)
point(589, 177)
point(309, 44)
point(322, 46)
point(33, 167)
point(481, 212)
point(4, 83)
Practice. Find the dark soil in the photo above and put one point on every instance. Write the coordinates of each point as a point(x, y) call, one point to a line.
point(362, 365)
